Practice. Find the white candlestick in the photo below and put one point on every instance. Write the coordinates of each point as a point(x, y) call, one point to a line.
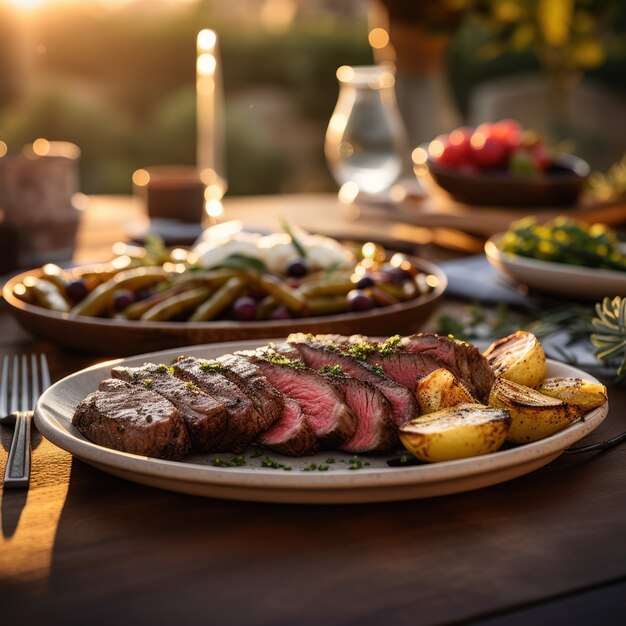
point(209, 117)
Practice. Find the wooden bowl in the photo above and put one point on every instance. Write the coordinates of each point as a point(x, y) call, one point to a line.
point(561, 185)
point(125, 337)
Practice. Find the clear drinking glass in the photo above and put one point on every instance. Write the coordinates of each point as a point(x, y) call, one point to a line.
point(366, 144)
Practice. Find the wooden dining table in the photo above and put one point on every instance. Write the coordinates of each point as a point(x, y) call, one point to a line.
point(81, 546)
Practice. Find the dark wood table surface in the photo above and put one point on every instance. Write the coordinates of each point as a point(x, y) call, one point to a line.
point(83, 547)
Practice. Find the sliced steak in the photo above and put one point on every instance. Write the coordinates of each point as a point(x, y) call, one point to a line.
point(244, 421)
point(462, 359)
point(405, 368)
point(267, 400)
point(332, 421)
point(317, 354)
point(206, 418)
point(132, 418)
point(291, 434)
point(376, 430)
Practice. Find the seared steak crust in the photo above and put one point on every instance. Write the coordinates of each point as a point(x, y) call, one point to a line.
point(133, 419)
point(206, 418)
point(326, 412)
point(244, 421)
point(317, 354)
point(267, 400)
point(291, 434)
point(407, 359)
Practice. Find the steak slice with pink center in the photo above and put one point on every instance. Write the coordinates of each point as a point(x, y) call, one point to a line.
point(376, 430)
point(332, 421)
point(291, 433)
point(317, 354)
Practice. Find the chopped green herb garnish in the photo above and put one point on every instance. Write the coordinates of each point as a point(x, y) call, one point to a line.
point(212, 366)
point(389, 345)
point(191, 386)
point(322, 467)
point(267, 461)
point(235, 461)
point(148, 383)
point(378, 369)
point(361, 350)
point(300, 249)
point(276, 358)
point(329, 461)
point(162, 369)
point(333, 370)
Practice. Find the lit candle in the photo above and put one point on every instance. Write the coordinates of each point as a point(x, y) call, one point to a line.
point(209, 118)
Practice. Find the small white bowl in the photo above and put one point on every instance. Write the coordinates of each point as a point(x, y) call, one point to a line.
point(559, 279)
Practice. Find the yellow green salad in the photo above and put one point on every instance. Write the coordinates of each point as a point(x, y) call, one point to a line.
point(566, 240)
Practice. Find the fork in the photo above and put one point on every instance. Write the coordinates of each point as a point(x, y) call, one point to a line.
point(20, 411)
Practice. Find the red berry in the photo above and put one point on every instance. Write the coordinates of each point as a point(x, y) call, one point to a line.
point(460, 139)
point(444, 152)
point(489, 151)
point(541, 156)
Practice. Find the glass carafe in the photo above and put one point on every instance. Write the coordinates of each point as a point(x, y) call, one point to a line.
point(366, 144)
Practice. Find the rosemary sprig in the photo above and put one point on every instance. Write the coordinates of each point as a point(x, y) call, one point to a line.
point(610, 336)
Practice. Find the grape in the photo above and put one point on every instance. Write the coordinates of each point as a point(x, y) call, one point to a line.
point(364, 282)
point(244, 308)
point(280, 313)
point(360, 301)
point(396, 275)
point(489, 151)
point(123, 298)
point(77, 290)
point(297, 268)
point(143, 293)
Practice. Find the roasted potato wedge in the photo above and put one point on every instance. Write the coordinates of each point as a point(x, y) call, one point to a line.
point(456, 433)
point(534, 415)
point(441, 389)
point(518, 357)
point(577, 391)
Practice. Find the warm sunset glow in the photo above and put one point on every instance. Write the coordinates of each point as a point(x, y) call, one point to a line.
point(25, 4)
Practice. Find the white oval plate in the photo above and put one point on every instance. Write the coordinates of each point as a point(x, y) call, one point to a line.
point(581, 283)
point(376, 482)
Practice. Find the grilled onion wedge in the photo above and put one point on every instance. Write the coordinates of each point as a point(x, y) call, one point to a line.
point(577, 391)
point(518, 357)
point(458, 432)
point(534, 415)
point(439, 390)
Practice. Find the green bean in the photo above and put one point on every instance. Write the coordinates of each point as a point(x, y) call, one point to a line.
point(48, 295)
point(222, 298)
point(265, 307)
point(290, 298)
point(98, 300)
point(326, 306)
point(135, 310)
point(326, 288)
point(176, 304)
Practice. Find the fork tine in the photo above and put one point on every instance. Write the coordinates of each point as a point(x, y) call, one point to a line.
point(24, 400)
point(4, 387)
point(45, 373)
point(34, 386)
point(15, 375)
